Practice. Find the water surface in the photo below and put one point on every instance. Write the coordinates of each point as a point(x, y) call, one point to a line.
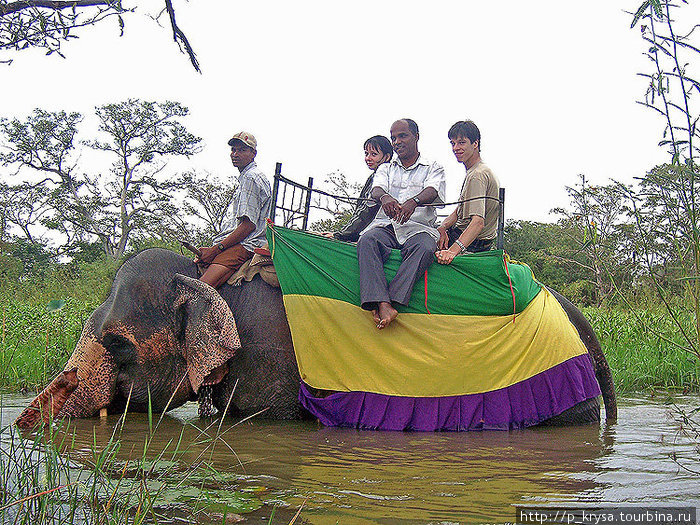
point(361, 477)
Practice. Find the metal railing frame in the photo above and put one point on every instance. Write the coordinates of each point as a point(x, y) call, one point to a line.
point(304, 198)
point(501, 218)
point(305, 203)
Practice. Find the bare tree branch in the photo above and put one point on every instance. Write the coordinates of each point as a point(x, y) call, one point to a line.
point(47, 23)
point(179, 37)
point(14, 7)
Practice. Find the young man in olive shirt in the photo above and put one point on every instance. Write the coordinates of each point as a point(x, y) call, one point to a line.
point(472, 226)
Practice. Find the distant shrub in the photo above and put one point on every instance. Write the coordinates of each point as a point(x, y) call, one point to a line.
point(581, 293)
point(10, 268)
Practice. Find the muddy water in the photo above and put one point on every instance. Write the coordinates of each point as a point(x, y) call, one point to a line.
point(353, 477)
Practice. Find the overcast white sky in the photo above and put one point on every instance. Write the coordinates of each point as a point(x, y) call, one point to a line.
point(551, 84)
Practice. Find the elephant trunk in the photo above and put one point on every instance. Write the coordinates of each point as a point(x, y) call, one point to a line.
point(84, 387)
point(50, 402)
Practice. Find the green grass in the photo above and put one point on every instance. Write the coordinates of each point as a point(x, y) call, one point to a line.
point(638, 354)
point(35, 344)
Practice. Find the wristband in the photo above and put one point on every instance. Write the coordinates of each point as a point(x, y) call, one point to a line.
point(221, 247)
point(416, 200)
point(462, 248)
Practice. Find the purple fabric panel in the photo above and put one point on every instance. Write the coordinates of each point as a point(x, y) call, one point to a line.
point(524, 404)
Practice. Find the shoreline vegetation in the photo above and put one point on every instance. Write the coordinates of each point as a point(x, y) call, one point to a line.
point(42, 318)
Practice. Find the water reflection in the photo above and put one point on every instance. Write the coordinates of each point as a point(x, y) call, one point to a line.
point(358, 477)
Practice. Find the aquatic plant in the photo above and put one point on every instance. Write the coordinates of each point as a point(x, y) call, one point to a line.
point(46, 477)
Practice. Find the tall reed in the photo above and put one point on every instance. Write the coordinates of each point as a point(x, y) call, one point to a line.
point(640, 359)
point(46, 478)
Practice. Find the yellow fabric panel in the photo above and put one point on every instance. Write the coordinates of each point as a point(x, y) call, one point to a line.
point(339, 348)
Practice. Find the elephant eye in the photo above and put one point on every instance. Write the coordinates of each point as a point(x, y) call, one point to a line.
point(116, 345)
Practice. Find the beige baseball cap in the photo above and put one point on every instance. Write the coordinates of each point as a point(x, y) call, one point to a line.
point(246, 138)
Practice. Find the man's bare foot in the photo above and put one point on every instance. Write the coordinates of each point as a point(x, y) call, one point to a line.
point(387, 314)
point(375, 316)
point(216, 375)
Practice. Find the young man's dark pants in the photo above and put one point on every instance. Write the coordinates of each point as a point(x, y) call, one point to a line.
point(373, 249)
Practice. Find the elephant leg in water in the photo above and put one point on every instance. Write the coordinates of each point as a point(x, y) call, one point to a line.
point(600, 364)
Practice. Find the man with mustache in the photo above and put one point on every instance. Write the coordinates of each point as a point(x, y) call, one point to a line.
point(402, 187)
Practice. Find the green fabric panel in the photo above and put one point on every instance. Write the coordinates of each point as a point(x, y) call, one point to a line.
point(474, 284)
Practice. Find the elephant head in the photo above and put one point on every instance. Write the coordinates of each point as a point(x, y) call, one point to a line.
point(152, 342)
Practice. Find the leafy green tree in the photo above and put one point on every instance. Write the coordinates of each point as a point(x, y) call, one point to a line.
point(86, 252)
point(127, 197)
point(206, 200)
point(338, 203)
point(10, 267)
point(533, 243)
point(587, 254)
point(333, 223)
point(34, 258)
point(43, 144)
point(25, 206)
point(665, 232)
point(595, 223)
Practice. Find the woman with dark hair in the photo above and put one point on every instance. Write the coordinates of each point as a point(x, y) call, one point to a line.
point(378, 150)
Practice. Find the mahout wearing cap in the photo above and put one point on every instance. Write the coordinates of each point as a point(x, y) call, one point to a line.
point(246, 138)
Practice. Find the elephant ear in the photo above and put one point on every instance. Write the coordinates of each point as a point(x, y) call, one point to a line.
point(207, 328)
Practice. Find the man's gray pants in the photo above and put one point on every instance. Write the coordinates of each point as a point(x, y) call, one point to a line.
point(373, 249)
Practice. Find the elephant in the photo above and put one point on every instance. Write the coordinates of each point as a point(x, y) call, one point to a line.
point(161, 332)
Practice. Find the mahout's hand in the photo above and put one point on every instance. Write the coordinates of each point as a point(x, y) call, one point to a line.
point(444, 240)
point(208, 254)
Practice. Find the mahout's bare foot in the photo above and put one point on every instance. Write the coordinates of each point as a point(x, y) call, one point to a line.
point(387, 314)
point(215, 376)
point(375, 316)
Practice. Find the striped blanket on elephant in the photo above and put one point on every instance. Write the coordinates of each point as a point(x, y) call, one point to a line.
point(481, 345)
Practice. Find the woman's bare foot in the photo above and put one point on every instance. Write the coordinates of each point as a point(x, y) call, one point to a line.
point(387, 314)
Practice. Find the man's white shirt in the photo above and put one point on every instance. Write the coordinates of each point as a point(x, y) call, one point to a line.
point(404, 184)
